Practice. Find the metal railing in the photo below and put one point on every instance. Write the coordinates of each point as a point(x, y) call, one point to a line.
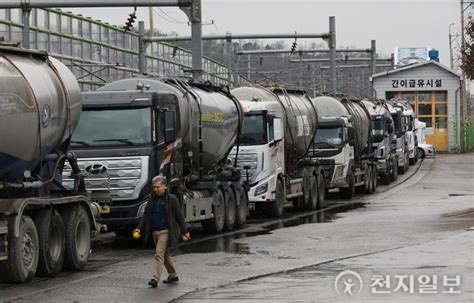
point(98, 52)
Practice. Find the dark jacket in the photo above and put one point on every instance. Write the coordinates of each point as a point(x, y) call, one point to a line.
point(175, 219)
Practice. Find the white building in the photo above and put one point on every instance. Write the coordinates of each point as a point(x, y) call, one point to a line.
point(434, 92)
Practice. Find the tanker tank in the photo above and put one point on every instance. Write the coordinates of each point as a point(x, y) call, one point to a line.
point(358, 116)
point(301, 119)
point(40, 105)
point(221, 117)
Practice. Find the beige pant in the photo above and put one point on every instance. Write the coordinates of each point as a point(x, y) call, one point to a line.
point(161, 255)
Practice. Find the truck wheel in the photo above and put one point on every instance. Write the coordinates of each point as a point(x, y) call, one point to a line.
point(321, 191)
point(369, 181)
point(78, 237)
point(420, 152)
point(312, 202)
point(413, 160)
point(229, 210)
point(216, 224)
point(348, 192)
point(23, 254)
point(50, 226)
point(374, 179)
point(401, 169)
point(394, 173)
point(241, 207)
point(276, 207)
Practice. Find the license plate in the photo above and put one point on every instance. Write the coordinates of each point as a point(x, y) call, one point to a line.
point(251, 206)
point(105, 210)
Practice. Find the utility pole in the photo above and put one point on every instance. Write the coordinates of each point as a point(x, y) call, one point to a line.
point(451, 59)
point(332, 52)
point(150, 11)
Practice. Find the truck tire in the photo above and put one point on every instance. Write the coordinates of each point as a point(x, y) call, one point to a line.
point(52, 245)
point(394, 173)
point(241, 207)
point(321, 191)
point(276, 207)
point(420, 152)
point(402, 169)
point(312, 201)
point(78, 237)
point(348, 192)
point(369, 181)
point(23, 254)
point(229, 219)
point(375, 181)
point(216, 224)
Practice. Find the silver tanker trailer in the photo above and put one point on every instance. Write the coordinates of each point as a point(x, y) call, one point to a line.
point(42, 225)
point(134, 129)
point(279, 126)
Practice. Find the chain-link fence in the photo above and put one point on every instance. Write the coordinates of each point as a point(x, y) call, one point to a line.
point(98, 52)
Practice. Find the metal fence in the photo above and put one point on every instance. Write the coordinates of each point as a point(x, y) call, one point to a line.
point(98, 52)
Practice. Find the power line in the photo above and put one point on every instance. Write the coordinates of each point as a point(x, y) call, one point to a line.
point(168, 17)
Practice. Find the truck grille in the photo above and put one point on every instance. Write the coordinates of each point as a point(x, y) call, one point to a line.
point(250, 159)
point(125, 177)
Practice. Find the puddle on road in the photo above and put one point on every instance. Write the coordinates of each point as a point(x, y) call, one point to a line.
point(226, 243)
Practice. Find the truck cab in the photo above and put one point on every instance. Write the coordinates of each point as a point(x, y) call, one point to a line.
point(333, 149)
point(261, 153)
point(124, 137)
point(383, 144)
point(400, 127)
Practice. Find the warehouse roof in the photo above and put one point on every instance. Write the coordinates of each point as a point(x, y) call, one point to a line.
point(412, 66)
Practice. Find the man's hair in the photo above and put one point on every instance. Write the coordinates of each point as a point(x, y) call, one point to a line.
point(159, 178)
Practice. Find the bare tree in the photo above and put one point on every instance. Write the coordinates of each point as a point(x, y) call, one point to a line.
point(468, 52)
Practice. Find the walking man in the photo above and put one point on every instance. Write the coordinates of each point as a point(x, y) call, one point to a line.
point(161, 212)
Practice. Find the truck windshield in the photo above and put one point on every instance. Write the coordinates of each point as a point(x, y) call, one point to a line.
point(328, 137)
point(378, 129)
point(254, 130)
point(113, 127)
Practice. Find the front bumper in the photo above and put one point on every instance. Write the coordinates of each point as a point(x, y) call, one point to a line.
point(121, 216)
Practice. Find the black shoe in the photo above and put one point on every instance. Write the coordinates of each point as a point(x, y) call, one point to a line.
point(153, 283)
point(170, 280)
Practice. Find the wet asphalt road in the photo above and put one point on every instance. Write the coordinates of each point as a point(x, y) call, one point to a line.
point(261, 262)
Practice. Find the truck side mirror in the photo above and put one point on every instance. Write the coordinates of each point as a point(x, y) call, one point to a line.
point(277, 129)
point(390, 128)
point(170, 128)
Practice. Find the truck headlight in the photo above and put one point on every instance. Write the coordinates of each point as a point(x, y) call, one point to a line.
point(141, 209)
point(339, 172)
point(261, 189)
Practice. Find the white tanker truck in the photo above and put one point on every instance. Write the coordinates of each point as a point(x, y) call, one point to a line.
point(278, 129)
point(134, 129)
point(42, 225)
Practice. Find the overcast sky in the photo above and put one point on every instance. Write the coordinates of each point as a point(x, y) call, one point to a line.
point(392, 23)
point(402, 23)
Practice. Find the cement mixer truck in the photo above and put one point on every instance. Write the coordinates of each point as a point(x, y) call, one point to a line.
point(134, 129)
point(42, 224)
point(279, 126)
point(343, 144)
